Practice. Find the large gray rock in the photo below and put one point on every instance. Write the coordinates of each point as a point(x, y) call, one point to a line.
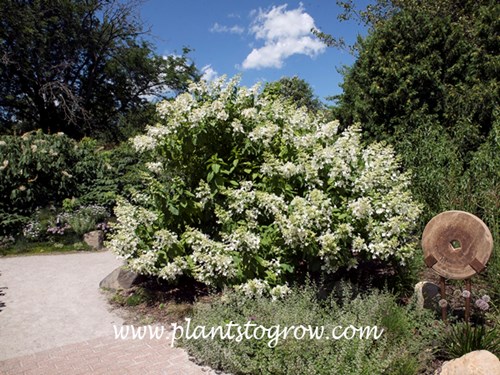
point(120, 278)
point(426, 293)
point(94, 239)
point(480, 362)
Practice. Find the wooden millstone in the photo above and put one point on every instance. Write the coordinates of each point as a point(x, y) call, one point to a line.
point(456, 244)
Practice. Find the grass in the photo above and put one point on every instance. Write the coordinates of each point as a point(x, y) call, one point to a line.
point(37, 248)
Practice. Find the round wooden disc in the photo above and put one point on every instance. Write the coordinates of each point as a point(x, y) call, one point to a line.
point(456, 244)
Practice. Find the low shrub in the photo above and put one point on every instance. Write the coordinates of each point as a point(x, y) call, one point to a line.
point(405, 346)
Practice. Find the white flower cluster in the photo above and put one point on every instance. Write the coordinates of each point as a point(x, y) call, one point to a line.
point(203, 193)
point(155, 167)
point(258, 288)
point(211, 259)
point(145, 263)
point(253, 288)
point(172, 270)
point(316, 192)
point(242, 240)
point(279, 291)
point(125, 241)
point(163, 240)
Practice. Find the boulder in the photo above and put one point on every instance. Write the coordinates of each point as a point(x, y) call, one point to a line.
point(94, 239)
point(120, 278)
point(426, 293)
point(480, 362)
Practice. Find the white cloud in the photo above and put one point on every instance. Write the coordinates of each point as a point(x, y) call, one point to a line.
point(285, 33)
point(209, 73)
point(218, 28)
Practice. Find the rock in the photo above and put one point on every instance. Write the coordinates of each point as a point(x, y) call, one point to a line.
point(120, 278)
point(94, 239)
point(426, 293)
point(480, 362)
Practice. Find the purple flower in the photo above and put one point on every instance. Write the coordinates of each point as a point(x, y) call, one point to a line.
point(466, 294)
point(104, 227)
point(486, 298)
point(482, 305)
point(58, 229)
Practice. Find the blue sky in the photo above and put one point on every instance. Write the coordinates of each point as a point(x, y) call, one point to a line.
point(261, 40)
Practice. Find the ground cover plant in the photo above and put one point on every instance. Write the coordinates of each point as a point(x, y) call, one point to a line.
point(247, 190)
point(405, 347)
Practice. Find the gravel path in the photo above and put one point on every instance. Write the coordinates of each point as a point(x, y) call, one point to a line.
point(52, 304)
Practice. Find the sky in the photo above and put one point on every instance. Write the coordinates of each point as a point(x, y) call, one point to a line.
point(262, 41)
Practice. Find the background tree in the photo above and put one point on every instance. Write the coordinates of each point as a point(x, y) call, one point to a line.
point(294, 89)
point(80, 67)
point(426, 80)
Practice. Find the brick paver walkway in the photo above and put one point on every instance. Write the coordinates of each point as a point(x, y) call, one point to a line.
point(106, 356)
point(55, 320)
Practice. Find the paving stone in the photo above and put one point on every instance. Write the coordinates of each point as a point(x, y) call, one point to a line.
point(60, 296)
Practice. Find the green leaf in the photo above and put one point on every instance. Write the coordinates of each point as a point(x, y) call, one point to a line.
point(260, 260)
point(216, 168)
point(210, 176)
point(286, 267)
point(173, 210)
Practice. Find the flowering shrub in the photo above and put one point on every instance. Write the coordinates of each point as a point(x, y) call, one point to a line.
point(58, 229)
point(40, 170)
point(244, 189)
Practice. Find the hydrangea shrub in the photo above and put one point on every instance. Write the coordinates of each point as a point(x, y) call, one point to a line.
point(244, 189)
